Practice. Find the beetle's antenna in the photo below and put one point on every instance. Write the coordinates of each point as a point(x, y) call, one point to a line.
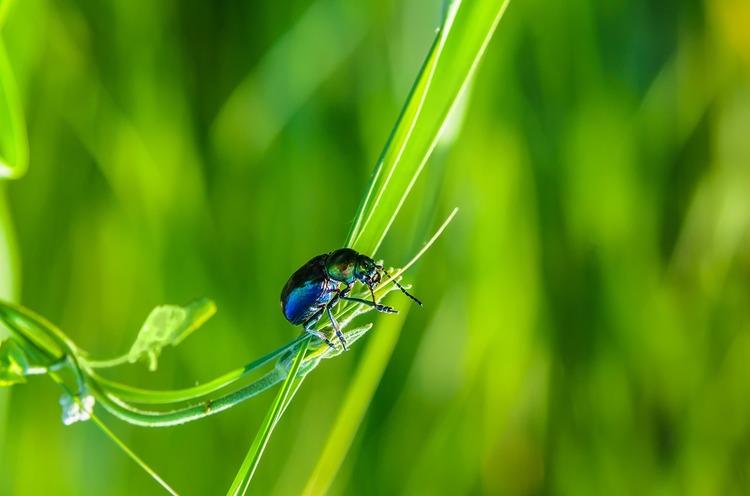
point(401, 287)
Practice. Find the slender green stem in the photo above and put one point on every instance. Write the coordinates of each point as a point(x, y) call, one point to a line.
point(150, 418)
point(139, 395)
point(422, 251)
point(41, 355)
point(132, 454)
point(106, 363)
point(361, 389)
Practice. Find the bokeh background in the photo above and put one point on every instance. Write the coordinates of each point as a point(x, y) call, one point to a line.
point(586, 326)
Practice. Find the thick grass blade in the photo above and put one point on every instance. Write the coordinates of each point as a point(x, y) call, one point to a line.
point(445, 75)
point(444, 78)
point(14, 147)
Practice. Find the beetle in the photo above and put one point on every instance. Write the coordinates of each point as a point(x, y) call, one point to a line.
point(325, 280)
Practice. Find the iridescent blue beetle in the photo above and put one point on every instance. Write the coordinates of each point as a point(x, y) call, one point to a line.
point(317, 286)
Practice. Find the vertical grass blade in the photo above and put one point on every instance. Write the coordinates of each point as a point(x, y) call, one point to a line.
point(245, 474)
point(361, 389)
point(445, 75)
point(14, 148)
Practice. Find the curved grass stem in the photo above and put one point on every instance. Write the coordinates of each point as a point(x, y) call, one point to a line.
point(140, 395)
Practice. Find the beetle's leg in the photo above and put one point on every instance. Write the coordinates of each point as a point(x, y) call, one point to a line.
point(336, 324)
point(376, 306)
point(374, 301)
point(380, 308)
point(345, 291)
point(307, 326)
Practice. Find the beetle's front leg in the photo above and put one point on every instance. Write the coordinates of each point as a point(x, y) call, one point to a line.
point(376, 306)
point(344, 295)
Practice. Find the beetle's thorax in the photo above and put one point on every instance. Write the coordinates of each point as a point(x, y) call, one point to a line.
point(341, 265)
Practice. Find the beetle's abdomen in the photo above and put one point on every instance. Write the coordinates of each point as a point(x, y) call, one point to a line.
point(306, 291)
point(302, 302)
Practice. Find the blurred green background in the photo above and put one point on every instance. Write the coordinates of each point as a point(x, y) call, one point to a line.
point(586, 326)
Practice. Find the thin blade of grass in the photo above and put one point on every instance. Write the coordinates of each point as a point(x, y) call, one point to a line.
point(131, 454)
point(14, 147)
point(245, 474)
point(360, 393)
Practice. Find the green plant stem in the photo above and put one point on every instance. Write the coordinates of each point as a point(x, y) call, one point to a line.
point(148, 418)
point(140, 395)
point(146, 468)
point(38, 330)
point(42, 355)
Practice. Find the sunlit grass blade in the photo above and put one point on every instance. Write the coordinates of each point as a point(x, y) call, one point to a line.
point(14, 147)
point(444, 77)
point(361, 389)
point(245, 474)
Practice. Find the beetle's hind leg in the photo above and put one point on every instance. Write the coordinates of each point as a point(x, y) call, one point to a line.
point(307, 326)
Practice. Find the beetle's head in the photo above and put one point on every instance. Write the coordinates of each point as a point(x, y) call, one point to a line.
point(367, 271)
point(346, 265)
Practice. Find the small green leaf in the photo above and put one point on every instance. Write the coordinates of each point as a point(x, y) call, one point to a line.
point(14, 363)
point(169, 325)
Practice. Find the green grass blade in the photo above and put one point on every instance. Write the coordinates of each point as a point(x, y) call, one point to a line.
point(444, 78)
point(445, 75)
point(14, 147)
point(361, 390)
point(245, 474)
point(360, 393)
point(131, 454)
